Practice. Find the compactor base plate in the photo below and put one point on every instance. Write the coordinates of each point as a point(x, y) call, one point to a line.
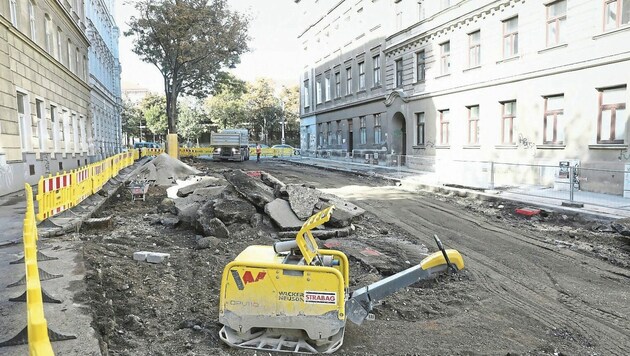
point(281, 340)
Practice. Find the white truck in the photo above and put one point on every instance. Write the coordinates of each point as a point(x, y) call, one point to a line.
point(231, 145)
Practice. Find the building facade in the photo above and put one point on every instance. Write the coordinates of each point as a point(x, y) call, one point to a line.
point(509, 81)
point(104, 70)
point(45, 126)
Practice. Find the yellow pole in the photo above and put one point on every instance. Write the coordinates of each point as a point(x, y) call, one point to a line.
point(172, 145)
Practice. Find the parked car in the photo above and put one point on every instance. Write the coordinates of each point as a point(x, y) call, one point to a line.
point(146, 145)
point(288, 148)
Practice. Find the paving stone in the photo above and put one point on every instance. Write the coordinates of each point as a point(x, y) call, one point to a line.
point(140, 255)
point(233, 211)
point(252, 189)
point(302, 199)
point(281, 214)
point(203, 182)
point(157, 257)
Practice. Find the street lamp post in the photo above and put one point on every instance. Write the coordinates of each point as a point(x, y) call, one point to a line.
point(282, 120)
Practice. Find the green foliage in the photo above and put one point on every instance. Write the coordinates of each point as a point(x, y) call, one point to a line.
point(153, 108)
point(190, 42)
point(132, 118)
point(193, 120)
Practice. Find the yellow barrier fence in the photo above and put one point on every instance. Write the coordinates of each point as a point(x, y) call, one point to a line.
point(145, 151)
point(37, 327)
point(272, 152)
point(195, 151)
point(63, 191)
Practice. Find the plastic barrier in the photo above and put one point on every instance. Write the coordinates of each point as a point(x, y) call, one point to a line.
point(144, 151)
point(54, 195)
point(63, 191)
point(195, 151)
point(272, 152)
point(37, 327)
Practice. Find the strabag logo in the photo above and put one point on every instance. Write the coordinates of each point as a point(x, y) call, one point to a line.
point(248, 277)
point(320, 297)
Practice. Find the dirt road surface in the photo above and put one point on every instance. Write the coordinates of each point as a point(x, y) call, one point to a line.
point(547, 285)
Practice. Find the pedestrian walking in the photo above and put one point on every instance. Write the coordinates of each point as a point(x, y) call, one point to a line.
point(258, 152)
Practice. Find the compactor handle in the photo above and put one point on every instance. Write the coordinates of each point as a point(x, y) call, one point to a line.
point(441, 247)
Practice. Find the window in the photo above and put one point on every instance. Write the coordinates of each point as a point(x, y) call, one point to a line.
point(420, 66)
point(473, 125)
point(420, 129)
point(361, 75)
point(377, 128)
point(70, 60)
point(553, 125)
point(77, 56)
point(376, 61)
point(611, 121)
point(330, 134)
point(363, 130)
point(474, 49)
point(31, 19)
point(55, 127)
point(616, 13)
point(321, 135)
point(421, 12)
point(444, 126)
point(510, 37)
point(307, 98)
point(327, 85)
point(41, 124)
point(339, 138)
point(399, 73)
point(507, 122)
point(337, 84)
point(25, 123)
point(348, 81)
point(49, 34)
point(445, 56)
point(318, 91)
point(59, 52)
point(556, 17)
point(13, 10)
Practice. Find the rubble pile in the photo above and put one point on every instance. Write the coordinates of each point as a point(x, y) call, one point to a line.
point(242, 201)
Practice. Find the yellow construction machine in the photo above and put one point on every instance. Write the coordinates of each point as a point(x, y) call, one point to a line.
point(294, 296)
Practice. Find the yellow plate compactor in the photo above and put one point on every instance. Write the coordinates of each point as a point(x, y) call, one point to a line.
point(294, 297)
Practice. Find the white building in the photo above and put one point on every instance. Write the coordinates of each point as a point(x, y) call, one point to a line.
point(44, 93)
point(105, 95)
point(510, 80)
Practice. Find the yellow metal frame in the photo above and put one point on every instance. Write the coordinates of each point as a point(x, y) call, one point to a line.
point(262, 296)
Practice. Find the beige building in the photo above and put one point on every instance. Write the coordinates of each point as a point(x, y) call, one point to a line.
point(515, 81)
point(44, 94)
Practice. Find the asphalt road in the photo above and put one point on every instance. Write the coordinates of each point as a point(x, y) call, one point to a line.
point(524, 295)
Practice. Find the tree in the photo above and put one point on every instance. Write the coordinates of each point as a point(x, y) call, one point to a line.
point(153, 109)
point(227, 108)
point(263, 108)
point(190, 42)
point(193, 120)
point(131, 118)
point(290, 97)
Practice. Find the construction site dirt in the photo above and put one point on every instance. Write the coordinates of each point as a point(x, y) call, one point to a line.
point(554, 283)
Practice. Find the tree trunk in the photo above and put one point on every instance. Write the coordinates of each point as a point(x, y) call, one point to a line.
point(172, 92)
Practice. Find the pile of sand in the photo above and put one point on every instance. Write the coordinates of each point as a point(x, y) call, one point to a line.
point(164, 170)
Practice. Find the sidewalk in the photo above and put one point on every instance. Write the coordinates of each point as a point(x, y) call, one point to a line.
point(70, 316)
point(595, 204)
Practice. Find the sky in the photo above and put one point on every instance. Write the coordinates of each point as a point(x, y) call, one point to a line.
point(274, 48)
